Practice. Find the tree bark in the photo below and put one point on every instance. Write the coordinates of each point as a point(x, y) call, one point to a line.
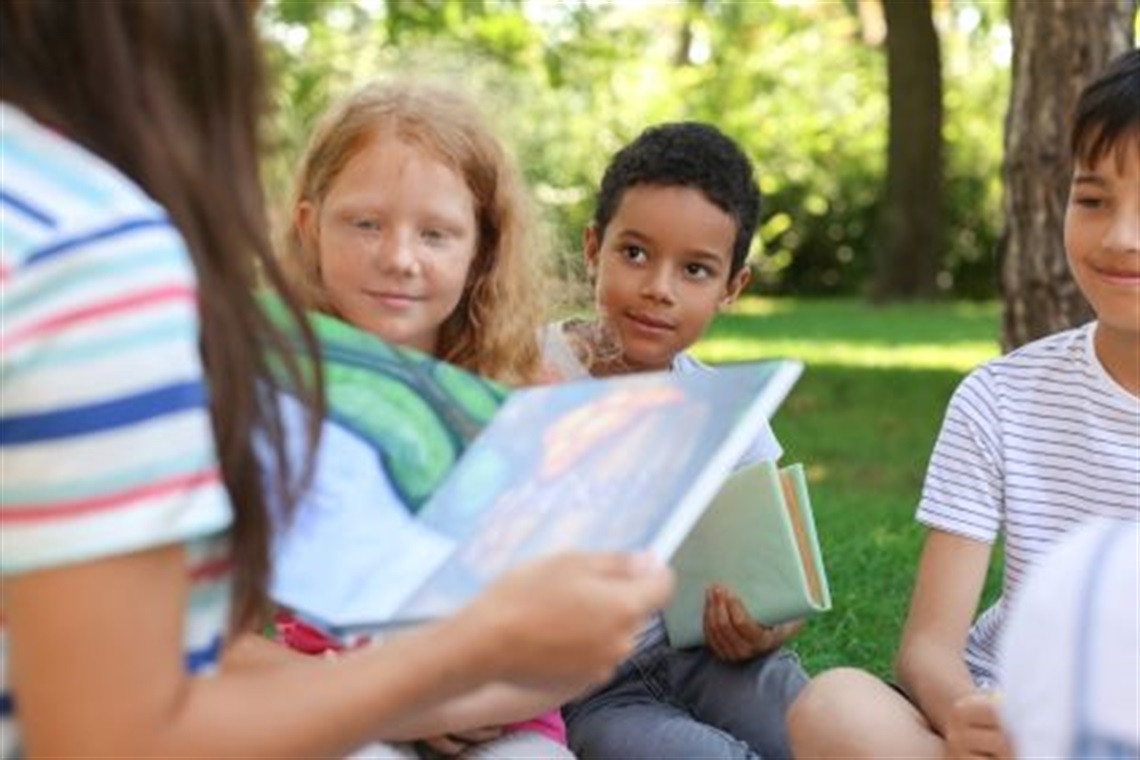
point(912, 216)
point(1058, 45)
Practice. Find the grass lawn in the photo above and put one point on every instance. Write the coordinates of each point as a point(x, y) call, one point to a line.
point(863, 420)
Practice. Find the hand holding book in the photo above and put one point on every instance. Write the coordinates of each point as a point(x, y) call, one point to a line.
point(732, 634)
point(758, 539)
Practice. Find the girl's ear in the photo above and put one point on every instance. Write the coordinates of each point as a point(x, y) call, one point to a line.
point(736, 286)
point(591, 245)
point(305, 220)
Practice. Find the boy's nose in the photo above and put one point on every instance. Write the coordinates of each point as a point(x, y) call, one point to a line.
point(1123, 233)
point(658, 285)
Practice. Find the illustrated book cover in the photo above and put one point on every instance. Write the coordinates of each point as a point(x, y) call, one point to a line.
point(395, 530)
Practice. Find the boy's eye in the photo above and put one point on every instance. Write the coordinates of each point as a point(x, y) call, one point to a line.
point(1089, 201)
point(698, 271)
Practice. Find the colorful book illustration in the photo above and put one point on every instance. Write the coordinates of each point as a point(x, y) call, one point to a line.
point(625, 463)
point(758, 538)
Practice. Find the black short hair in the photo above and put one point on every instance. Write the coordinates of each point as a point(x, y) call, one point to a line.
point(1108, 109)
point(686, 154)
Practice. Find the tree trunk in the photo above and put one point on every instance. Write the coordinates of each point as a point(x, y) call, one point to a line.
point(1058, 45)
point(912, 235)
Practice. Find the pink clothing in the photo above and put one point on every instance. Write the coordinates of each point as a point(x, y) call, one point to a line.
point(549, 725)
point(293, 633)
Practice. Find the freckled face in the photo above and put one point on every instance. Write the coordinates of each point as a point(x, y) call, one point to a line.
point(396, 235)
point(1102, 239)
point(662, 268)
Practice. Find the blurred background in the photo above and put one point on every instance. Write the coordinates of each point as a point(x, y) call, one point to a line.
point(913, 160)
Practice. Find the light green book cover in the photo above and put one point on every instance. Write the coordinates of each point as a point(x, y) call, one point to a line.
point(757, 538)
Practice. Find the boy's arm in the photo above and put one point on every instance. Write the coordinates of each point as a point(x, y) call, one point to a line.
point(930, 664)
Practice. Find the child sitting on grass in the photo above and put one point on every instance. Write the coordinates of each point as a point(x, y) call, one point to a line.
point(667, 248)
point(409, 221)
point(1034, 445)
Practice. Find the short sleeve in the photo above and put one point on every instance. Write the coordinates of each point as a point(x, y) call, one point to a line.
point(106, 445)
point(962, 493)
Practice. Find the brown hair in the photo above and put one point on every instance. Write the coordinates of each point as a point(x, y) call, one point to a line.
point(170, 93)
point(493, 330)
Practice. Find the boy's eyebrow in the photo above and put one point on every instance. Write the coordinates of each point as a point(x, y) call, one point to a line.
point(1089, 178)
point(700, 253)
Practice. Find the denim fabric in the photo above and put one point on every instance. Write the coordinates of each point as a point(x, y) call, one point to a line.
point(685, 704)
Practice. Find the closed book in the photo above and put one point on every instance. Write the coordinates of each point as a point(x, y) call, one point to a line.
point(758, 538)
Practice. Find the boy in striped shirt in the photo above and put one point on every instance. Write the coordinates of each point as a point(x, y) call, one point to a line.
point(1034, 445)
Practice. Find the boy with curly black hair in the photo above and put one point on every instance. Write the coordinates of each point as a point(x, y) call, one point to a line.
point(667, 249)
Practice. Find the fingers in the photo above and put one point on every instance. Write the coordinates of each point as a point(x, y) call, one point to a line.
point(445, 745)
point(570, 618)
point(729, 631)
point(974, 729)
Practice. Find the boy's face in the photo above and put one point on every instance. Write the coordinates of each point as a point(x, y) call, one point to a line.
point(662, 268)
point(1102, 236)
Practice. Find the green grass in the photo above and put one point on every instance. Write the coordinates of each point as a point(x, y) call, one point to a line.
point(863, 420)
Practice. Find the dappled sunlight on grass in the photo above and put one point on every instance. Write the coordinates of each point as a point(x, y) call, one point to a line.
point(849, 333)
point(961, 356)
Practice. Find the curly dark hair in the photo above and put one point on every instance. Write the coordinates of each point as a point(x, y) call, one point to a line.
point(686, 154)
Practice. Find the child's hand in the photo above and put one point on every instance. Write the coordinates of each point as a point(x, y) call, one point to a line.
point(454, 743)
point(974, 729)
point(563, 623)
point(732, 635)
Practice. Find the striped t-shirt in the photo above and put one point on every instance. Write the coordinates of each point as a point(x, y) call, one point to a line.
point(1034, 444)
point(105, 439)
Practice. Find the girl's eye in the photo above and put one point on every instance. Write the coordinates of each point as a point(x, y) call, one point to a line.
point(634, 253)
point(1089, 201)
point(433, 236)
point(367, 225)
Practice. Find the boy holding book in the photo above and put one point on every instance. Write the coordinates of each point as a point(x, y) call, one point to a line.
point(676, 211)
point(1034, 445)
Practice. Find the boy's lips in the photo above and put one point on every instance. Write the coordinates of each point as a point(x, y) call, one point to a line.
point(648, 322)
point(1118, 275)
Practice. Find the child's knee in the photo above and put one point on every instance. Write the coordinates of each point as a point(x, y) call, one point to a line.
point(827, 700)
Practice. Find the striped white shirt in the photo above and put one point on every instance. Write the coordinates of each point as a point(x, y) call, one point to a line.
point(105, 438)
point(1034, 444)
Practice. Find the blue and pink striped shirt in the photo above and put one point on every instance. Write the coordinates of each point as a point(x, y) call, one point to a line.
point(105, 439)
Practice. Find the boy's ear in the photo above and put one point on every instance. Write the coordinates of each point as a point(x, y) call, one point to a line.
point(591, 246)
point(736, 286)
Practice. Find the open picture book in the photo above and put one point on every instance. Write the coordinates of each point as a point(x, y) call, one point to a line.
point(414, 508)
point(758, 539)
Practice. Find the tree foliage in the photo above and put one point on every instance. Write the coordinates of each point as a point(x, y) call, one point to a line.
point(801, 86)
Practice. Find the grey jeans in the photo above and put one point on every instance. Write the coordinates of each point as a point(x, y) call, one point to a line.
point(685, 704)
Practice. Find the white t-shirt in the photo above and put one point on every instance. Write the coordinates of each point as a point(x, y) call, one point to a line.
point(1034, 445)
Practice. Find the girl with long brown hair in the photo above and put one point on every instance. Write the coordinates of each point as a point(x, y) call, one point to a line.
point(133, 389)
